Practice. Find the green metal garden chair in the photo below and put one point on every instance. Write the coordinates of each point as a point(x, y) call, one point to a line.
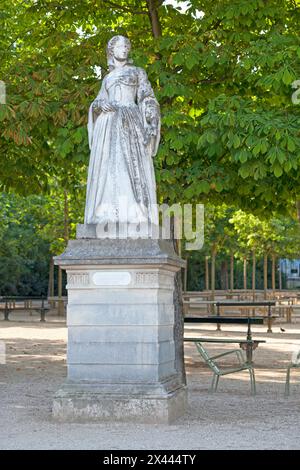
point(218, 372)
point(295, 364)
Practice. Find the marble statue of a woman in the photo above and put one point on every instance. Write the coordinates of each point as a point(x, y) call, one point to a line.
point(124, 133)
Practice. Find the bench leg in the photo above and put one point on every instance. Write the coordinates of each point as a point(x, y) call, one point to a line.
point(218, 314)
point(287, 382)
point(60, 307)
point(42, 312)
point(6, 313)
point(269, 330)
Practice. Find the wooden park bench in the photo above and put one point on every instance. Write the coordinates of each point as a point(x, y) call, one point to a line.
point(59, 303)
point(196, 307)
point(285, 309)
point(266, 304)
point(13, 304)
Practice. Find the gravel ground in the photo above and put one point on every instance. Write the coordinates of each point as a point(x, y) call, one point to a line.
point(229, 419)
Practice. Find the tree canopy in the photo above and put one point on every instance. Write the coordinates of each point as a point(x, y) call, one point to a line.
point(222, 72)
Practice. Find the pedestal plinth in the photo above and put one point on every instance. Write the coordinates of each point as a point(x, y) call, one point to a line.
point(120, 318)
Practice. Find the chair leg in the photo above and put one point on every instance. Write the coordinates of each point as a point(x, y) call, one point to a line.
point(213, 383)
point(287, 382)
point(217, 382)
point(252, 381)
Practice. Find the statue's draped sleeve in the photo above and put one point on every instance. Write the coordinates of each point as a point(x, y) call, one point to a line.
point(150, 110)
point(101, 98)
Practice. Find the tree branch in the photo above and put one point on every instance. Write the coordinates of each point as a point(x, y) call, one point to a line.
point(124, 8)
point(153, 6)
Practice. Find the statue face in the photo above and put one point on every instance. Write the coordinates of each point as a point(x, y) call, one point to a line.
point(121, 49)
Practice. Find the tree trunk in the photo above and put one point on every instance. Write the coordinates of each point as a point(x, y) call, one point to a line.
point(206, 273)
point(51, 280)
point(185, 274)
point(154, 17)
point(253, 274)
point(213, 276)
point(231, 272)
point(245, 274)
point(280, 276)
point(178, 314)
point(66, 216)
point(298, 209)
point(265, 276)
point(60, 310)
point(273, 273)
point(224, 275)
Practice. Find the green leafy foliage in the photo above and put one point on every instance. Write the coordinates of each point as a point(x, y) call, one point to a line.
point(222, 72)
point(24, 254)
point(32, 229)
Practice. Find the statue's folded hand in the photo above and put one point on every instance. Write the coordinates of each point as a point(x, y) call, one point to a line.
point(104, 106)
point(107, 107)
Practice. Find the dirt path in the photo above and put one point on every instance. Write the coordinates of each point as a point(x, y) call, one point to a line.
point(229, 419)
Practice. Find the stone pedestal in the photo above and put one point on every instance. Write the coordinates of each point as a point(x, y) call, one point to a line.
point(120, 318)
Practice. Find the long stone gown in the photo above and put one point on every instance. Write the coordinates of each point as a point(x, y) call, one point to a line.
point(121, 156)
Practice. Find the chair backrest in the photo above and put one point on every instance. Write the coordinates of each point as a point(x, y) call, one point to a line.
point(210, 362)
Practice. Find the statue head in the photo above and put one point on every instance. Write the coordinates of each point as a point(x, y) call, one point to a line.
point(118, 48)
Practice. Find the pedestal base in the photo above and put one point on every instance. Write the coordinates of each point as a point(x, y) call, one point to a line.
point(93, 402)
point(121, 344)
